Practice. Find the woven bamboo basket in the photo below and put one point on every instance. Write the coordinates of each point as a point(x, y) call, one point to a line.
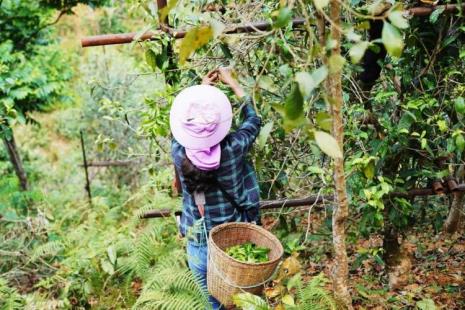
point(227, 276)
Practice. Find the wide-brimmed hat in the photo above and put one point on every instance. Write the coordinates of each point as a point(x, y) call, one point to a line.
point(200, 117)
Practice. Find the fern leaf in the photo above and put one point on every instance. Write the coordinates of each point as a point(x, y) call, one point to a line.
point(247, 301)
point(173, 287)
point(314, 296)
point(51, 248)
point(10, 299)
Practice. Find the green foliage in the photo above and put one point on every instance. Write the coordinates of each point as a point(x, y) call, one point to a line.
point(426, 304)
point(30, 84)
point(310, 296)
point(51, 249)
point(194, 39)
point(248, 252)
point(68, 4)
point(313, 296)
point(172, 286)
point(10, 299)
point(33, 71)
point(247, 301)
point(85, 256)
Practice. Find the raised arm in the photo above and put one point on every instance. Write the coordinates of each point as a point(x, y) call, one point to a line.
point(250, 128)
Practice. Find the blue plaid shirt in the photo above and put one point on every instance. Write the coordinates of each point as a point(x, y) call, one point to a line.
point(236, 176)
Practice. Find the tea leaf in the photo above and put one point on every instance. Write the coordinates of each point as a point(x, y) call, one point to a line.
point(328, 144)
point(392, 40)
point(194, 39)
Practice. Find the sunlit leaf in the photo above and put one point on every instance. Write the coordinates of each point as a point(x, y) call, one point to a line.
point(351, 35)
point(376, 7)
point(107, 267)
point(285, 70)
point(264, 134)
point(397, 19)
point(357, 51)
point(426, 304)
point(194, 39)
point(442, 124)
point(320, 74)
point(321, 4)
point(217, 27)
point(247, 301)
point(392, 40)
point(111, 254)
point(308, 82)
point(305, 81)
point(266, 82)
point(336, 63)
point(328, 144)
point(288, 300)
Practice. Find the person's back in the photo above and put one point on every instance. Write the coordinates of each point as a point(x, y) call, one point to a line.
point(234, 181)
point(218, 184)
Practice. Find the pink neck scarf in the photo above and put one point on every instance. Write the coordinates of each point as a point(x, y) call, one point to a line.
point(205, 159)
point(202, 123)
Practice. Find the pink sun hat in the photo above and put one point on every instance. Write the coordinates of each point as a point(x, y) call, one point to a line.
point(200, 117)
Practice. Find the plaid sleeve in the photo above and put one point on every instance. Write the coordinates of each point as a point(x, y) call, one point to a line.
point(245, 136)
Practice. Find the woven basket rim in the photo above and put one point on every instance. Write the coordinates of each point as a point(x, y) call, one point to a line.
point(248, 226)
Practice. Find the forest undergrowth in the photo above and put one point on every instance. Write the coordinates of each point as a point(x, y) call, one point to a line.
point(60, 252)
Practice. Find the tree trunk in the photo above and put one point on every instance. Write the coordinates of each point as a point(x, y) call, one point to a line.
point(15, 160)
point(452, 223)
point(341, 209)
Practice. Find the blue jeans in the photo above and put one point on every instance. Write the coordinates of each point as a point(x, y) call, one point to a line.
point(197, 256)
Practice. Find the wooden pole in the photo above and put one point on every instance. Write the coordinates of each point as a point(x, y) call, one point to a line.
point(427, 10)
point(124, 38)
point(308, 201)
point(87, 187)
point(16, 161)
point(264, 205)
point(340, 268)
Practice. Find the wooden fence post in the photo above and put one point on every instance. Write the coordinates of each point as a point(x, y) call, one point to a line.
point(84, 158)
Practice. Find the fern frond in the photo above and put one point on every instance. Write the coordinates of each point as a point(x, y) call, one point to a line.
point(171, 287)
point(160, 300)
point(152, 247)
point(314, 296)
point(51, 248)
point(10, 299)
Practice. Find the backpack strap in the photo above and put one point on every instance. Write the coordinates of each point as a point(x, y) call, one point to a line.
point(230, 198)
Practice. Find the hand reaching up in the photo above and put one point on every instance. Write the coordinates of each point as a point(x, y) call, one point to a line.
point(210, 78)
point(225, 76)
